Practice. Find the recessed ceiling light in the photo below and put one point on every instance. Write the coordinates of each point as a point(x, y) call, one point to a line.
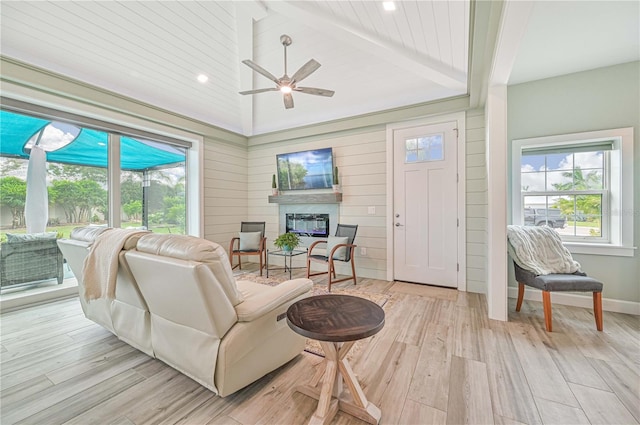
point(388, 6)
point(203, 78)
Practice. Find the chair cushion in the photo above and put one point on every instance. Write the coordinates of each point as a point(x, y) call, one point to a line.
point(250, 241)
point(341, 252)
point(87, 233)
point(559, 282)
point(17, 238)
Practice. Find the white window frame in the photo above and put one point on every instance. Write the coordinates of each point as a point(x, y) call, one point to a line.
point(620, 202)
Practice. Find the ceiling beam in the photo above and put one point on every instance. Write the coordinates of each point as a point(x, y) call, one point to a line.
point(513, 27)
point(485, 23)
point(247, 12)
point(409, 60)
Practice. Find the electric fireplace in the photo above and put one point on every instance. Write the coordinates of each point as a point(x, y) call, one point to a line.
point(312, 225)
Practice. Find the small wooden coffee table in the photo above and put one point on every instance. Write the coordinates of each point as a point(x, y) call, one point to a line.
point(337, 322)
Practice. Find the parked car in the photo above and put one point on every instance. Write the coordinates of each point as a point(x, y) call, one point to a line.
point(544, 217)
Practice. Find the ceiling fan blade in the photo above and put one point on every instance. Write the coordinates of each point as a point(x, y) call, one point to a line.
point(257, 91)
point(251, 64)
point(288, 101)
point(305, 70)
point(315, 91)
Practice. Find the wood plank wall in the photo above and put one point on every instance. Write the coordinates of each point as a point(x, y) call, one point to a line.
point(237, 184)
point(361, 158)
point(476, 199)
point(225, 190)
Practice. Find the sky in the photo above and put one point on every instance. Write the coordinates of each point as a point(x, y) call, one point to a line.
point(533, 168)
point(55, 136)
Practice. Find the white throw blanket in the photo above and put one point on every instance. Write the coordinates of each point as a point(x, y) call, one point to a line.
point(100, 268)
point(540, 250)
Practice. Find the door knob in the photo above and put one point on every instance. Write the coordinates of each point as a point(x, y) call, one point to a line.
point(398, 224)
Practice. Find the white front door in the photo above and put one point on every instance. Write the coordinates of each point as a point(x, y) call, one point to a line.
point(425, 208)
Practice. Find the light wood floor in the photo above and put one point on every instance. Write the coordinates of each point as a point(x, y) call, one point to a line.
point(437, 360)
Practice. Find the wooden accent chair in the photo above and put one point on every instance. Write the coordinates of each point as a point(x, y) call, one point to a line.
point(338, 248)
point(577, 281)
point(249, 243)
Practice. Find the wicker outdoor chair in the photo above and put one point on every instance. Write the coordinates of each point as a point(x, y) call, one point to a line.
point(28, 261)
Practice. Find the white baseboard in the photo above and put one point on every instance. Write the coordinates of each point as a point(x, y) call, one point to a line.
point(8, 304)
point(577, 300)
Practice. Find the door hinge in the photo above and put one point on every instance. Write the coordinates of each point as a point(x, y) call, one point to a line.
point(457, 267)
point(457, 178)
point(457, 222)
point(456, 130)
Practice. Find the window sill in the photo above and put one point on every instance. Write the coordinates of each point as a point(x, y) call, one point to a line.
point(600, 249)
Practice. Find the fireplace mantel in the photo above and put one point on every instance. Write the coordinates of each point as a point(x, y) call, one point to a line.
point(314, 198)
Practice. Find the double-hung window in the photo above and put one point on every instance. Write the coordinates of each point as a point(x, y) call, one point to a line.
point(579, 184)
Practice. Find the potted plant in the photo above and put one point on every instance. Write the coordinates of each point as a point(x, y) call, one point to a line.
point(274, 186)
point(287, 241)
point(336, 181)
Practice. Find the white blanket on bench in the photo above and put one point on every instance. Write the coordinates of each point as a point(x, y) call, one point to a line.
point(540, 250)
point(100, 268)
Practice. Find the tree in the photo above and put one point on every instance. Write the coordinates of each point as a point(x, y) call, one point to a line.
point(133, 209)
point(78, 172)
point(92, 196)
point(66, 194)
point(593, 180)
point(13, 194)
point(590, 205)
point(174, 212)
point(157, 192)
point(131, 188)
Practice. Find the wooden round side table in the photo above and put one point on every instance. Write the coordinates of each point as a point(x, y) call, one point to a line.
point(337, 322)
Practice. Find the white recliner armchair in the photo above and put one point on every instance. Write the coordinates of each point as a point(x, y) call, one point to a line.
point(223, 333)
point(126, 315)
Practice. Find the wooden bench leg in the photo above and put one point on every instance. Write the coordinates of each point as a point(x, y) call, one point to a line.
point(546, 304)
point(520, 296)
point(597, 309)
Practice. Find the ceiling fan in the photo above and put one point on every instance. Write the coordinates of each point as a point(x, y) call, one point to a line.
point(286, 84)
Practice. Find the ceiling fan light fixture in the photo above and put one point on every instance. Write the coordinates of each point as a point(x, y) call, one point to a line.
point(389, 6)
point(285, 84)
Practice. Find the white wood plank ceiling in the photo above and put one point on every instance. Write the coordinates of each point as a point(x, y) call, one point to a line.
point(374, 60)
point(153, 51)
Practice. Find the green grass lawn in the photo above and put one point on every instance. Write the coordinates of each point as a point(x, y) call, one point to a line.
point(583, 224)
point(67, 228)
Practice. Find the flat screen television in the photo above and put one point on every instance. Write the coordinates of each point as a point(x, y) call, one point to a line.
point(311, 169)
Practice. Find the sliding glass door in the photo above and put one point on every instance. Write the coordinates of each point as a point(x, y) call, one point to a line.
point(87, 170)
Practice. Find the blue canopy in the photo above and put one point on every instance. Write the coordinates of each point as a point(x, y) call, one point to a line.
point(89, 148)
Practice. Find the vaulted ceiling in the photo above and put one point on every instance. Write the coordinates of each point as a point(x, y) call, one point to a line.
point(373, 59)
